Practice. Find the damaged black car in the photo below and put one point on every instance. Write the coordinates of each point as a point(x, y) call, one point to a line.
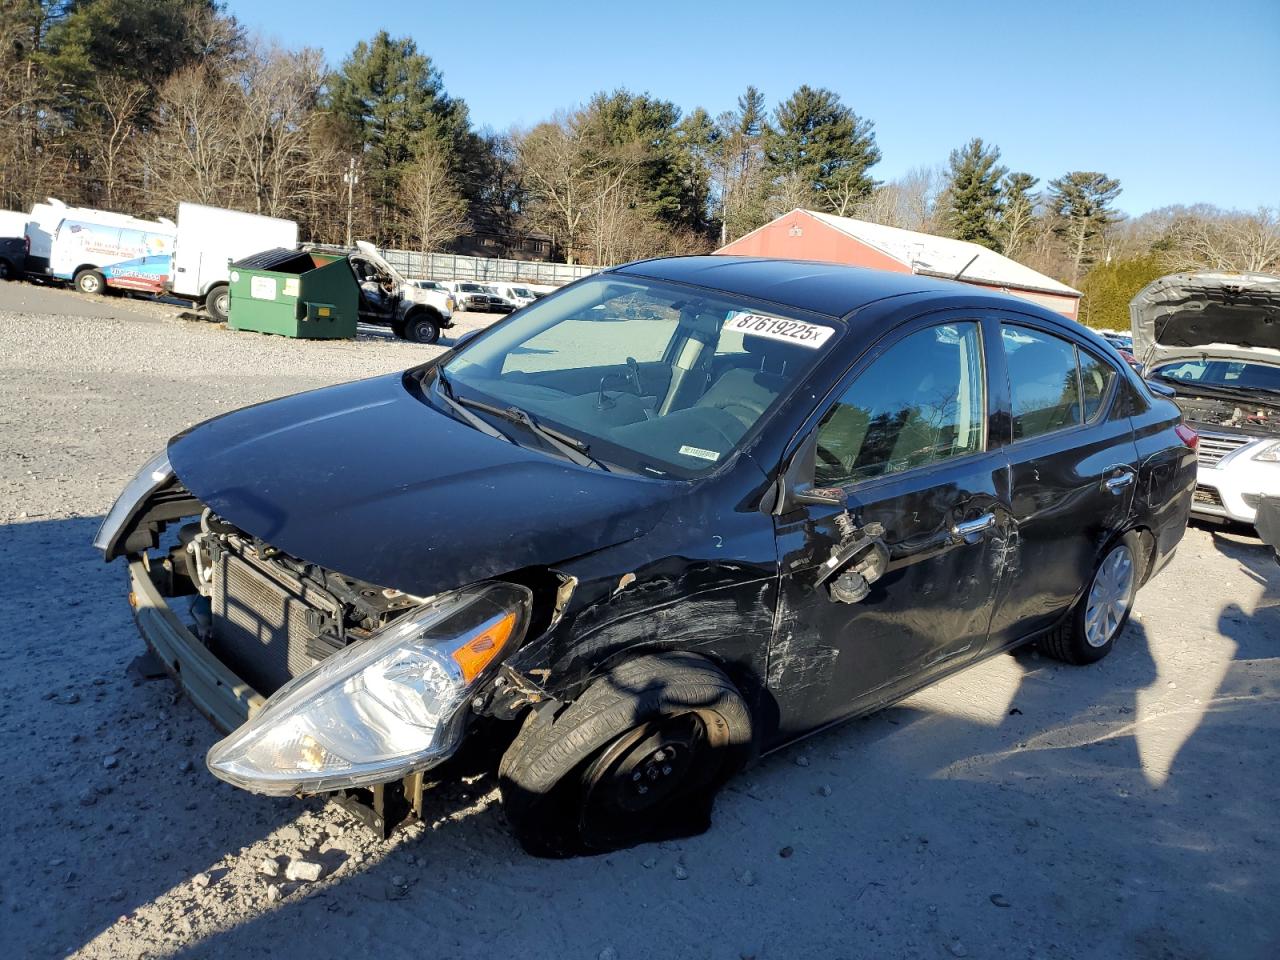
point(673, 516)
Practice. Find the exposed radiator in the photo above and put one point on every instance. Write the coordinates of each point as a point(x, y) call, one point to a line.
point(262, 628)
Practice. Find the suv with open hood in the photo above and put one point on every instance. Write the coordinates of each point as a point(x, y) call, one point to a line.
point(1214, 340)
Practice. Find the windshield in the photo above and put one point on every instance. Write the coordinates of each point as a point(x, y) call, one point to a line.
point(1222, 373)
point(522, 292)
point(654, 378)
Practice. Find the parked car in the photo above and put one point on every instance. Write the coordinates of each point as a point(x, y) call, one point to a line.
point(388, 298)
point(498, 301)
point(516, 294)
point(783, 495)
point(13, 257)
point(472, 296)
point(1213, 341)
point(430, 285)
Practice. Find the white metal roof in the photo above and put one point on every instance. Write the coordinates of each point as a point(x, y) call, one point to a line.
point(944, 257)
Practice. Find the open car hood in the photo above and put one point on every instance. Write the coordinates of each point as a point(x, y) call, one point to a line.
point(368, 480)
point(373, 256)
point(1230, 316)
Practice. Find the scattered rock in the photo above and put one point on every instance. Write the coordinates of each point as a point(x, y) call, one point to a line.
point(680, 872)
point(269, 868)
point(273, 892)
point(650, 863)
point(88, 798)
point(201, 880)
point(786, 852)
point(802, 761)
point(957, 949)
point(824, 791)
point(999, 900)
point(303, 870)
point(110, 762)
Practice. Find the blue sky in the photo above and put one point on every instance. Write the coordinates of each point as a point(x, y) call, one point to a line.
point(1180, 101)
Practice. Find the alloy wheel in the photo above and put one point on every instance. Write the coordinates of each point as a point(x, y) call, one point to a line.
point(1109, 597)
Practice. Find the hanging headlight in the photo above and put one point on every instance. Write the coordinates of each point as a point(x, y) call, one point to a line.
point(381, 709)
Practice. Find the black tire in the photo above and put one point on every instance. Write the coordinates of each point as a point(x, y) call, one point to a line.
point(90, 282)
point(217, 303)
point(638, 757)
point(422, 328)
point(1078, 639)
point(7, 271)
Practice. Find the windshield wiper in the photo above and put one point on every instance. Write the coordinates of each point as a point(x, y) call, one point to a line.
point(571, 447)
point(446, 394)
point(1224, 391)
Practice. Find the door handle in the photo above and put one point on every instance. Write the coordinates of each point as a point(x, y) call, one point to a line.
point(1116, 485)
point(971, 531)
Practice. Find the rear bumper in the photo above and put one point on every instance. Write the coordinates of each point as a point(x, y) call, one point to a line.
point(217, 692)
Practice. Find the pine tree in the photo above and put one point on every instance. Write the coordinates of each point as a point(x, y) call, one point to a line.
point(823, 143)
point(973, 192)
point(392, 102)
point(1081, 202)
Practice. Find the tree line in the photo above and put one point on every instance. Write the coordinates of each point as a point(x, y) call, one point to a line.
point(138, 104)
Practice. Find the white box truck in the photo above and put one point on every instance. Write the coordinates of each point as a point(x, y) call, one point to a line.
point(208, 239)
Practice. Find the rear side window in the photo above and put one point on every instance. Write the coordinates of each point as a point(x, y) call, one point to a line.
point(1044, 381)
point(920, 402)
point(1052, 383)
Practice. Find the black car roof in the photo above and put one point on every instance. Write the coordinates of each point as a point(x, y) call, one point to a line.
point(827, 288)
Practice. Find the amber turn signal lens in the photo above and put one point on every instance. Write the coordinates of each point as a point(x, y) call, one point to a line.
point(476, 654)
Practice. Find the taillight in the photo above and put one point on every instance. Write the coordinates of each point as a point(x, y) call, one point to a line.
point(1187, 435)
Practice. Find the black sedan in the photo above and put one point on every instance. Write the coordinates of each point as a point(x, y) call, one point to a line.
point(649, 543)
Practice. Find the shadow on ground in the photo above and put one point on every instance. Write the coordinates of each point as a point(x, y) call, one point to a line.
point(1020, 808)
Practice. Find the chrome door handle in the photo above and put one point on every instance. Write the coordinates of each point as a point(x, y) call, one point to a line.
point(1117, 484)
point(971, 531)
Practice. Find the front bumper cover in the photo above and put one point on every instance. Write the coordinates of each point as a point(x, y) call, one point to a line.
point(215, 690)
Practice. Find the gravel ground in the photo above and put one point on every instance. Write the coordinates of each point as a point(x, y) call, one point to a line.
point(1020, 809)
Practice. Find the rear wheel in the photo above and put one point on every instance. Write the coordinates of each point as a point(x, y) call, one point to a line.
point(1091, 629)
point(638, 757)
point(90, 281)
point(7, 272)
point(218, 303)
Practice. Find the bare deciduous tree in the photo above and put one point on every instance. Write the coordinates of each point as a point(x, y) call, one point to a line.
point(190, 152)
point(437, 211)
point(1245, 242)
point(118, 104)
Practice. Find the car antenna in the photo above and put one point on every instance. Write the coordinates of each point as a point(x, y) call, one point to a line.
point(966, 266)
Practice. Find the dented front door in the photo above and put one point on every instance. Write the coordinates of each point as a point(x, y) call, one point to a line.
point(927, 613)
point(922, 536)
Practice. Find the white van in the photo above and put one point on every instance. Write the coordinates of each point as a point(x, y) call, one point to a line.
point(81, 249)
point(518, 294)
point(43, 221)
point(208, 238)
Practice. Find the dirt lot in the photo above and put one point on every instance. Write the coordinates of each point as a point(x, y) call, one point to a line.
point(1020, 809)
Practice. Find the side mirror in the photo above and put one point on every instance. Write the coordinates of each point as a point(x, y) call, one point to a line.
point(796, 486)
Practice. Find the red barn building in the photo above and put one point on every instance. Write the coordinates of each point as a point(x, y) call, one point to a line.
point(809, 235)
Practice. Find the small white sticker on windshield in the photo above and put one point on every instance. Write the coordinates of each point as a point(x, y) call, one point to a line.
point(809, 335)
point(698, 452)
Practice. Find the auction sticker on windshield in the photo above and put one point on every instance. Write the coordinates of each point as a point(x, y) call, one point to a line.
point(811, 335)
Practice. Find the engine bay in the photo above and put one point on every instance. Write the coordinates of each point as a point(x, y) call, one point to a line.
point(1244, 415)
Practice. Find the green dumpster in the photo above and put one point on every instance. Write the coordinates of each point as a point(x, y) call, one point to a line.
point(294, 294)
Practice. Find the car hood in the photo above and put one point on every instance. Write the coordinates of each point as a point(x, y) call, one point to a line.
point(1231, 316)
point(368, 480)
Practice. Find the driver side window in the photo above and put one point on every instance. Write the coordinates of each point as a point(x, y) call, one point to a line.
point(920, 402)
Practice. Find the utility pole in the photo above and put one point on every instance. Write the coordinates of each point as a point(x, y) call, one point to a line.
point(350, 178)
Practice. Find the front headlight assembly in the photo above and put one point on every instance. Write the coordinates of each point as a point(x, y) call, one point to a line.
point(382, 709)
